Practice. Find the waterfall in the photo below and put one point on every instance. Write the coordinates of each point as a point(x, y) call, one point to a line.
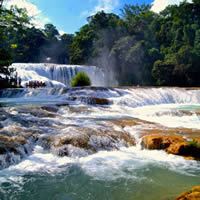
point(55, 75)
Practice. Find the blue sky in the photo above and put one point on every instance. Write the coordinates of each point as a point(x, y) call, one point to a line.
point(69, 15)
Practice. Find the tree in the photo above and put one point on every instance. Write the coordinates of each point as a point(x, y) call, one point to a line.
point(66, 41)
point(138, 47)
point(82, 44)
point(50, 31)
point(163, 73)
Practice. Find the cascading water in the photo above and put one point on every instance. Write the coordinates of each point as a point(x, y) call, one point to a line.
point(55, 75)
point(85, 143)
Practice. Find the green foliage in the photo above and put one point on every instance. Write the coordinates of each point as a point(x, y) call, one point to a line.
point(194, 143)
point(20, 41)
point(140, 47)
point(81, 47)
point(26, 43)
point(81, 79)
point(162, 72)
point(50, 31)
point(143, 47)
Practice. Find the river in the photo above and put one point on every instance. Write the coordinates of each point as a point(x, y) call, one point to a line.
point(75, 144)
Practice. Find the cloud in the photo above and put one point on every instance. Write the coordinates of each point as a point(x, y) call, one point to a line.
point(159, 5)
point(38, 19)
point(61, 32)
point(105, 5)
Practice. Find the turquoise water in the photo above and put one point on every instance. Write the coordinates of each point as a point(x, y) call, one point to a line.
point(189, 107)
point(127, 174)
point(124, 174)
point(151, 183)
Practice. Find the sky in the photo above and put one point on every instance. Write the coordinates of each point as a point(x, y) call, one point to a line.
point(69, 15)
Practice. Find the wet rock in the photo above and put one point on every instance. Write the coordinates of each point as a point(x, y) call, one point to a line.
point(158, 129)
point(108, 143)
point(90, 140)
point(50, 108)
point(45, 141)
point(160, 141)
point(187, 149)
point(11, 144)
point(13, 149)
point(172, 144)
point(99, 101)
point(91, 100)
point(71, 151)
point(9, 159)
point(127, 122)
point(41, 113)
point(3, 116)
point(193, 194)
point(1, 125)
point(80, 141)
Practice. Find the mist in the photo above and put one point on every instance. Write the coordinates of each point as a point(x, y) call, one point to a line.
point(120, 68)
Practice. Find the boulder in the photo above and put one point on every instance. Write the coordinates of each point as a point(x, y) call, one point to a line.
point(193, 194)
point(159, 141)
point(100, 101)
point(91, 100)
point(11, 143)
point(77, 141)
point(173, 144)
point(90, 139)
point(12, 150)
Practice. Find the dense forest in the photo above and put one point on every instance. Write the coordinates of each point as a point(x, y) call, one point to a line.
point(139, 47)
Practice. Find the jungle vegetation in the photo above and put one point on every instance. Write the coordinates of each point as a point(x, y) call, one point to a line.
point(138, 47)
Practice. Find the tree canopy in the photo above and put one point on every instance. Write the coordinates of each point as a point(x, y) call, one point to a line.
point(20, 41)
point(143, 47)
point(139, 47)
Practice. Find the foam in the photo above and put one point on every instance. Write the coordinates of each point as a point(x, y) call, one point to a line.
point(104, 165)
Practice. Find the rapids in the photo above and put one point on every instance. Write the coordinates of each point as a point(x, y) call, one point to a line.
point(85, 143)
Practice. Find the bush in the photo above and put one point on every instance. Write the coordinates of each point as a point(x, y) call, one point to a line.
point(194, 143)
point(81, 79)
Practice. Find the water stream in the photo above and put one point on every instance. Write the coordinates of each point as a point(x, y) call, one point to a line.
point(106, 167)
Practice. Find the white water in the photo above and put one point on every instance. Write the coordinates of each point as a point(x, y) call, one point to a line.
point(160, 105)
point(104, 165)
point(56, 75)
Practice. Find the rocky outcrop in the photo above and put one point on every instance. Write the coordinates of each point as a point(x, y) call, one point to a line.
point(126, 122)
point(88, 139)
point(10, 143)
point(25, 127)
point(173, 144)
point(13, 149)
point(91, 100)
point(159, 141)
point(193, 194)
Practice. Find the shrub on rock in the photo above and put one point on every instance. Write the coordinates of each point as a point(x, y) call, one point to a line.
point(81, 79)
